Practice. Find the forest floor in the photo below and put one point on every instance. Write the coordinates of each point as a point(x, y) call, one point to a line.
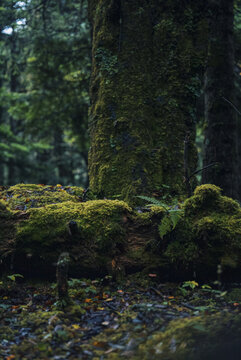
point(105, 319)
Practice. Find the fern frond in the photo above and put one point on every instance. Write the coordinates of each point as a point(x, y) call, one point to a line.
point(153, 201)
point(165, 226)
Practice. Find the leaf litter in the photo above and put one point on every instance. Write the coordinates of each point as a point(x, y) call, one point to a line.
point(105, 318)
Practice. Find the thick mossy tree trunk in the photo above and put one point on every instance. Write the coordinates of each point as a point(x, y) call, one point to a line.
point(143, 91)
point(220, 117)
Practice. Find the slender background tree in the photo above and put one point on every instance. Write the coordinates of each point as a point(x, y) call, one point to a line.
point(221, 146)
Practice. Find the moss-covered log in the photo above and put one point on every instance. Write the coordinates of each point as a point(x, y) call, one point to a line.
point(35, 226)
point(37, 223)
point(144, 85)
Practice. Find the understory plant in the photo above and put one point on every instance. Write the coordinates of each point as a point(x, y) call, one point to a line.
point(173, 214)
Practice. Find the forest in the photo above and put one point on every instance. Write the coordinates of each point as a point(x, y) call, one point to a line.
point(120, 172)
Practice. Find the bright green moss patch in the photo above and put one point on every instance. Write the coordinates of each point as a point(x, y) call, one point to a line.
point(154, 212)
point(109, 234)
point(4, 211)
point(208, 198)
point(46, 230)
point(25, 196)
point(209, 233)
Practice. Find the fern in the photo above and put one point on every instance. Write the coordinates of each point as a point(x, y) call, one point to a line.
point(153, 201)
point(170, 219)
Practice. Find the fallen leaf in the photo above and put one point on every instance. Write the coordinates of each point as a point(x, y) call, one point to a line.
point(105, 323)
point(75, 326)
point(152, 275)
point(100, 344)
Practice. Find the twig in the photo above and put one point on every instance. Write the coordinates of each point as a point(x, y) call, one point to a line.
point(156, 291)
point(188, 306)
point(204, 168)
point(233, 106)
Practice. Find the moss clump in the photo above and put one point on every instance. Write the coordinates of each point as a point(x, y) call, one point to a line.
point(99, 223)
point(26, 196)
point(207, 198)
point(207, 337)
point(4, 211)
point(209, 233)
point(147, 217)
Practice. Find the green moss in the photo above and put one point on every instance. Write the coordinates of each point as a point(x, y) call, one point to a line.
point(208, 191)
point(4, 211)
point(134, 149)
point(210, 232)
point(206, 337)
point(99, 222)
point(208, 198)
point(154, 213)
point(25, 196)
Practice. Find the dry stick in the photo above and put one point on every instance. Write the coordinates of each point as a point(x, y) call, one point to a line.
point(62, 278)
point(233, 106)
point(204, 168)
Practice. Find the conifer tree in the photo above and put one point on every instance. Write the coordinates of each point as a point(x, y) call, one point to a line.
point(145, 79)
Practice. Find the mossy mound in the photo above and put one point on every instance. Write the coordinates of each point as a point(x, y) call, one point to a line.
point(205, 337)
point(208, 199)
point(98, 224)
point(26, 196)
point(209, 232)
point(38, 222)
point(46, 220)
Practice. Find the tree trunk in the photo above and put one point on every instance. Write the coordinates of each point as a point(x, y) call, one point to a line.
point(220, 117)
point(143, 92)
point(12, 122)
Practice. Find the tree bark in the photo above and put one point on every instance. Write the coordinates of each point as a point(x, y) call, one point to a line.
point(220, 117)
point(143, 92)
